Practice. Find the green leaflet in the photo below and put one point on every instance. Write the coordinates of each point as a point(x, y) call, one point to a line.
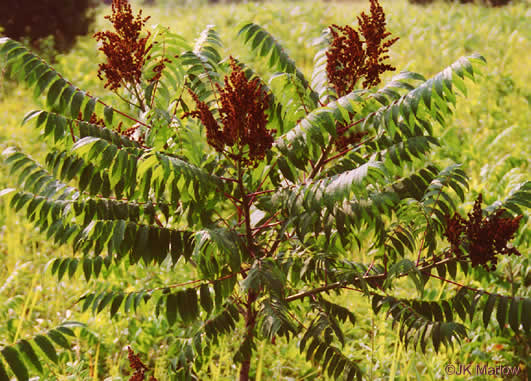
point(12, 357)
point(54, 92)
point(501, 312)
point(171, 308)
point(46, 346)
point(488, 309)
point(26, 348)
point(108, 114)
point(205, 298)
point(44, 81)
point(89, 108)
point(104, 302)
point(75, 105)
point(58, 338)
point(66, 98)
point(116, 303)
point(514, 318)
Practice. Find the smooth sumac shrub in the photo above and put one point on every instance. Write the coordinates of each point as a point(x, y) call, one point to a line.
point(273, 192)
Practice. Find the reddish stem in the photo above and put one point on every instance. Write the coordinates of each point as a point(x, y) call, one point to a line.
point(72, 133)
point(253, 195)
point(260, 228)
point(234, 199)
point(344, 152)
point(228, 179)
point(455, 283)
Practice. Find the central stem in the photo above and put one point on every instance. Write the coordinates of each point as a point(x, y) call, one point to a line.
point(246, 214)
point(250, 313)
point(250, 321)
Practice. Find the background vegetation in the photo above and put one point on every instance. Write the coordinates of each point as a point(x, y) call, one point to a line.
point(47, 23)
point(488, 134)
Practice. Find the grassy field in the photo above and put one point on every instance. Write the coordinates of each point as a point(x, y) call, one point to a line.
point(489, 134)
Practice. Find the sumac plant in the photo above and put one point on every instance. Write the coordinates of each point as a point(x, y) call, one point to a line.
point(262, 201)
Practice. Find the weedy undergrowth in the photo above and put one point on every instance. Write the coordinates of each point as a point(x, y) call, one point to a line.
point(270, 190)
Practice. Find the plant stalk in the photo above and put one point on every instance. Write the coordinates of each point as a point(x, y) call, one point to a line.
point(250, 313)
point(250, 322)
point(246, 214)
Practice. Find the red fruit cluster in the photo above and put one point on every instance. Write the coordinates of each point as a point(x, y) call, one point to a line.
point(243, 105)
point(356, 54)
point(159, 67)
point(125, 50)
point(482, 237)
point(94, 119)
point(130, 133)
point(136, 364)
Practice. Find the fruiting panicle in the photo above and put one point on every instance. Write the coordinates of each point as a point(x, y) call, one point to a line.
point(356, 54)
point(125, 50)
point(483, 237)
point(138, 366)
point(243, 106)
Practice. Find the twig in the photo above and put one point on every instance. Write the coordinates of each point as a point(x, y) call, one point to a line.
point(321, 162)
point(90, 96)
point(335, 285)
point(344, 152)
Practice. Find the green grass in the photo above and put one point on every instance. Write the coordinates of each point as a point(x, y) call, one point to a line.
point(489, 134)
